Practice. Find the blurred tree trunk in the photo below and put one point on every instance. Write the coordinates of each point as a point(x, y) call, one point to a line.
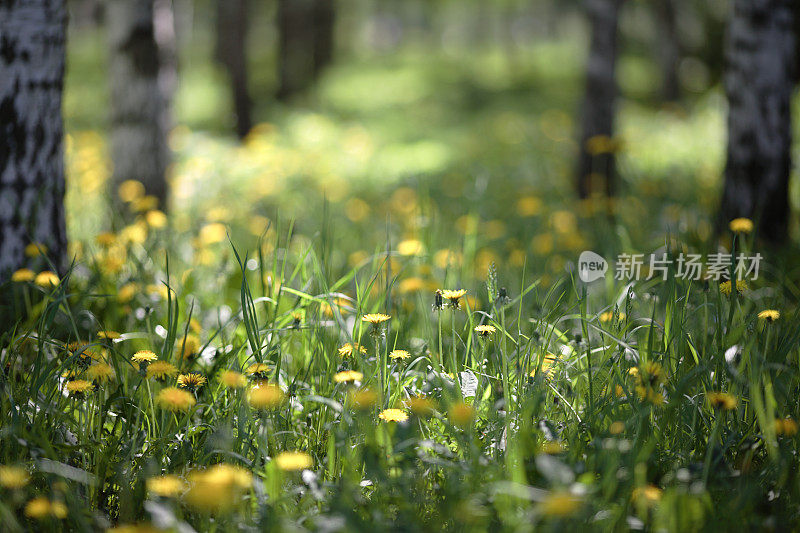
point(231, 52)
point(596, 160)
point(139, 116)
point(305, 41)
point(669, 49)
point(759, 85)
point(324, 26)
point(32, 51)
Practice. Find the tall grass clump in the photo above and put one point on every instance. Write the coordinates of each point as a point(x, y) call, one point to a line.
point(273, 389)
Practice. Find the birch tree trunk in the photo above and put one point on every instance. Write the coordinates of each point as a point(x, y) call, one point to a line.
point(139, 117)
point(296, 46)
point(32, 50)
point(231, 53)
point(759, 80)
point(669, 53)
point(305, 42)
point(596, 160)
point(324, 25)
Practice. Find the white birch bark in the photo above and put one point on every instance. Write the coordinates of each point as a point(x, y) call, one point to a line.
point(139, 118)
point(32, 41)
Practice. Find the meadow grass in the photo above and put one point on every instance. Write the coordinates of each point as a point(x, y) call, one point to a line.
point(663, 404)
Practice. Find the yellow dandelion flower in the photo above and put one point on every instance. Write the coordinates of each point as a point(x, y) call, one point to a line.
point(111, 265)
point(134, 233)
point(100, 373)
point(35, 249)
point(291, 461)
point(461, 414)
point(145, 203)
point(393, 415)
point(167, 486)
point(297, 317)
point(266, 396)
point(189, 346)
point(144, 357)
point(46, 279)
point(608, 316)
point(410, 285)
point(375, 318)
point(786, 426)
point(127, 292)
point(649, 494)
point(649, 374)
point(41, 508)
point(552, 447)
point(78, 387)
point(363, 399)
point(616, 427)
point(647, 394)
point(529, 206)
point(130, 190)
point(71, 373)
point(725, 287)
point(217, 489)
point(340, 304)
point(411, 247)
point(600, 144)
point(257, 370)
point(770, 315)
point(347, 376)
point(106, 239)
point(420, 405)
point(230, 474)
point(191, 381)
point(212, 233)
point(175, 399)
point(559, 504)
point(233, 379)
point(23, 274)
point(13, 477)
point(453, 297)
point(348, 349)
point(722, 400)
point(161, 370)
point(155, 219)
point(548, 364)
point(160, 291)
point(399, 354)
point(741, 225)
point(484, 330)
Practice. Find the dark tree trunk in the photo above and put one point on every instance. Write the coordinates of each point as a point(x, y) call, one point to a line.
point(324, 25)
point(669, 49)
point(139, 116)
point(759, 84)
point(596, 160)
point(32, 50)
point(232, 54)
point(305, 41)
point(296, 45)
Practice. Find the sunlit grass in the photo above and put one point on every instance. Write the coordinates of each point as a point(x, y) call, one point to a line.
point(308, 373)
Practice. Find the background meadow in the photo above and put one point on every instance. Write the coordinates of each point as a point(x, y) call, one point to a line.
point(272, 349)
